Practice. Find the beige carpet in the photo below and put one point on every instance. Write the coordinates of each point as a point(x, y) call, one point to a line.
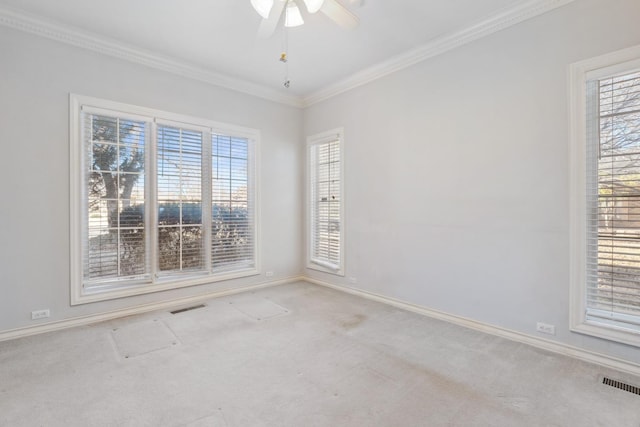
point(298, 355)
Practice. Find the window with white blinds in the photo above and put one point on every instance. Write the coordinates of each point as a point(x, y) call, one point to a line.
point(179, 189)
point(605, 196)
point(159, 201)
point(325, 195)
point(113, 245)
point(613, 199)
point(233, 216)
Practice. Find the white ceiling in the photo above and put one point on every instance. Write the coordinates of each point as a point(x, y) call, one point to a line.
point(220, 35)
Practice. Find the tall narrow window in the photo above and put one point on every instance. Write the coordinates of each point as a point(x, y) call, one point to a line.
point(179, 172)
point(159, 201)
point(113, 243)
point(606, 197)
point(613, 194)
point(233, 211)
point(326, 249)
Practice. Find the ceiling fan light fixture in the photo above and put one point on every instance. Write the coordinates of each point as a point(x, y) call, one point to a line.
point(263, 7)
point(292, 18)
point(313, 5)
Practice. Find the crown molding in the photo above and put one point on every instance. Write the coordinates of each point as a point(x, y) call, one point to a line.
point(507, 18)
point(20, 20)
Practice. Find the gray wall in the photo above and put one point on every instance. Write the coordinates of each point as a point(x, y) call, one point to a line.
point(36, 77)
point(457, 194)
point(456, 171)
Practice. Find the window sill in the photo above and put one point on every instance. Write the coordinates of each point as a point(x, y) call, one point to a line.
point(82, 296)
point(608, 332)
point(325, 268)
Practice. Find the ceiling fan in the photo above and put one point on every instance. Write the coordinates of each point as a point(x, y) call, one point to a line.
point(273, 10)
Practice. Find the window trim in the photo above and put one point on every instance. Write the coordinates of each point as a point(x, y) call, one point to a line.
point(318, 265)
point(579, 74)
point(78, 295)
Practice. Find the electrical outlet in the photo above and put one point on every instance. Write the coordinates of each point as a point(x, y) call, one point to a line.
point(269, 274)
point(546, 328)
point(40, 314)
point(353, 280)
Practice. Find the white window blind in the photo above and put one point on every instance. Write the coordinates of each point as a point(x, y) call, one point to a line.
point(325, 196)
point(233, 210)
point(613, 200)
point(113, 243)
point(179, 186)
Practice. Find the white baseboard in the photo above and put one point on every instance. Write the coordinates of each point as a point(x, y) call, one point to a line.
point(138, 309)
point(555, 347)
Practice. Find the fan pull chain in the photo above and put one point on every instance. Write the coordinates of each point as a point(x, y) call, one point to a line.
point(284, 59)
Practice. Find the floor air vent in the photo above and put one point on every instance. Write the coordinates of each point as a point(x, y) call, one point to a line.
point(182, 310)
point(622, 386)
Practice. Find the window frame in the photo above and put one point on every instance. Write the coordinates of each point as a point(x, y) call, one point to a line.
point(311, 263)
point(580, 74)
point(157, 283)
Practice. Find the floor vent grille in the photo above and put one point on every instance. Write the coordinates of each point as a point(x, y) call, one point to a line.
point(622, 386)
point(182, 310)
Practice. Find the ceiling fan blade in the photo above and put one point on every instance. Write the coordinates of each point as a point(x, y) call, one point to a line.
point(268, 26)
point(339, 14)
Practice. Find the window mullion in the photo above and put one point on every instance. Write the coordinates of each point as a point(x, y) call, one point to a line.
point(206, 198)
point(180, 202)
point(117, 196)
point(151, 210)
